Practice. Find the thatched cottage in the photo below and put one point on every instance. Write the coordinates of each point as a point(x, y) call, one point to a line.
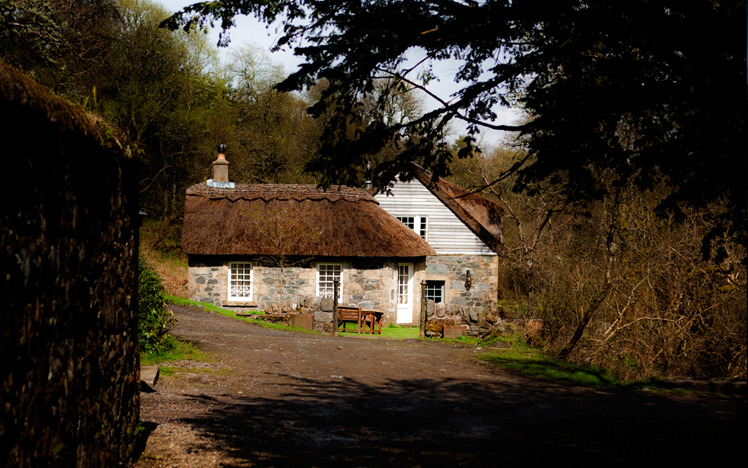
point(256, 245)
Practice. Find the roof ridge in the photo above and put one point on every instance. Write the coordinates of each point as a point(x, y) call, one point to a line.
point(281, 192)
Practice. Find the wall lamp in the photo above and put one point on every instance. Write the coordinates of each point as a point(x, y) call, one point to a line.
point(468, 280)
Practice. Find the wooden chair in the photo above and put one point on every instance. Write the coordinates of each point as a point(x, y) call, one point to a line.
point(372, 321)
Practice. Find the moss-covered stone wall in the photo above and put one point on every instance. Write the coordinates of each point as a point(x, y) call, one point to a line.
point(69, 376)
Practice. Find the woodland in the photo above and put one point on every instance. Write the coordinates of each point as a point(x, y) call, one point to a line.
point(623, 186)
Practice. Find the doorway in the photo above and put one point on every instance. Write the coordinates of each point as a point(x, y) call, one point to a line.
point(405, 293)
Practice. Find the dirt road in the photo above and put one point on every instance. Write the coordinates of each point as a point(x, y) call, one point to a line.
point(275, 398)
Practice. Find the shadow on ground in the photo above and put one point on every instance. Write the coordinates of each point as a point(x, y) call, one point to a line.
point(425, 422)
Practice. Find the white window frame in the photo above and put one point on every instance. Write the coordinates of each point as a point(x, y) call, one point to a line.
point(320, 293)
point(431, 285)
point(419, 224)
point(239, 273)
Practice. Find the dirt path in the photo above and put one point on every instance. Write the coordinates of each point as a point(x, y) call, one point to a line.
point(275, 398)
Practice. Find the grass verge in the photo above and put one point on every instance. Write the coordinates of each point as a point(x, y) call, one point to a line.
point(230, 313)
point(394, 332)
point(391, 332)
point(177, 350)
point(533, 363)
point(512, 354)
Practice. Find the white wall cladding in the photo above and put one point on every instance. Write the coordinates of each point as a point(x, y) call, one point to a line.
point(446, 233)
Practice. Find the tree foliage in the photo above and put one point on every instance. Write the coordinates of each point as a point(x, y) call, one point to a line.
point(272, 135)
point(62, 44)
point(646, 89)
point(167, 91)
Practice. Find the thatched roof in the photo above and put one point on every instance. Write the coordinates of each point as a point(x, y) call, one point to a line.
point(481, 215)
point(19, 95)
point(294, 220)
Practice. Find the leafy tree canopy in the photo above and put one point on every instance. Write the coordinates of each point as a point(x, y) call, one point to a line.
point(641, 89)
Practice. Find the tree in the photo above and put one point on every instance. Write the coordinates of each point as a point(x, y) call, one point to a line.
point(154, 318)
point(284, 233)
point(62, 44)
point(646, 88)
point(616, 285)
point(160, 92)
point(273, 137)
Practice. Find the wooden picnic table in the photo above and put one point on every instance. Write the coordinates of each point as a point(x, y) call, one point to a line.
point(366, 320)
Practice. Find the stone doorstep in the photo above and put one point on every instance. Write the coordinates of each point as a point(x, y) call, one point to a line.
point(149, 376)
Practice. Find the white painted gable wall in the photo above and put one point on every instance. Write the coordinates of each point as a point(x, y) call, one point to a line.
point(446, 233)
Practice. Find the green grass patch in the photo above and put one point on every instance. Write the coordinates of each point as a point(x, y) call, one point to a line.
point(166, 371)
point(391, 332)
point(512, 354)
point(178, 350)
point(397, 332)
point(180, 301)
point(462, 339)
point(532, 362)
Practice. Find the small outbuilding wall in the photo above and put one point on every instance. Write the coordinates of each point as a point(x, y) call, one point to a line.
point(480, 291)
point(69, 378)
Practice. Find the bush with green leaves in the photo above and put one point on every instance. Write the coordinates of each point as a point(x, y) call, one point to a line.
point(155, 318)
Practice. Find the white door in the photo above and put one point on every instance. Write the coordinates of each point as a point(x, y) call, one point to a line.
point(405, 293)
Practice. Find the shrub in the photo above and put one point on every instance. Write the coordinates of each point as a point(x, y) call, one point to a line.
point(155, 318)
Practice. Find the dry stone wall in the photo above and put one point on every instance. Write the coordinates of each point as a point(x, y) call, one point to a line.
point(68, 297)
point(445, 321)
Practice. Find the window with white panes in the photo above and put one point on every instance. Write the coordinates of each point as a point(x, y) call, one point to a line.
point(326, 275)
point(435, 291)
point(240, 281)
point(417, 223)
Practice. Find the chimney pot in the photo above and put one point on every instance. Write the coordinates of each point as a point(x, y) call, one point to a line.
point(221, 170)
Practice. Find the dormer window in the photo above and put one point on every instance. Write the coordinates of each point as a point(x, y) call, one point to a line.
point(417, 223)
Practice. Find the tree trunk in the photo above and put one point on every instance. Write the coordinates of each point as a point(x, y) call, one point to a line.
point(610, 248)
point(586, 316)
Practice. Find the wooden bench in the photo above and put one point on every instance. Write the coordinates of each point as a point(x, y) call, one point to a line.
point(348, 315)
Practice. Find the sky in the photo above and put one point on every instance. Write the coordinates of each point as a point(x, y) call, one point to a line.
point(249, 31)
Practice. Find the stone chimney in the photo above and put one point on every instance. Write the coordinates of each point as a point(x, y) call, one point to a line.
point(220, 171)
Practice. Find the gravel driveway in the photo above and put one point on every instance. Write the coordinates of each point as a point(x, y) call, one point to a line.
point(277, 398)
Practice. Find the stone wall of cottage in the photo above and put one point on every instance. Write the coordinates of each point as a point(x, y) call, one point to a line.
point(285, 287)
point(366, 283)
point(69, 386)
point(452, 269)
point(207, 279)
